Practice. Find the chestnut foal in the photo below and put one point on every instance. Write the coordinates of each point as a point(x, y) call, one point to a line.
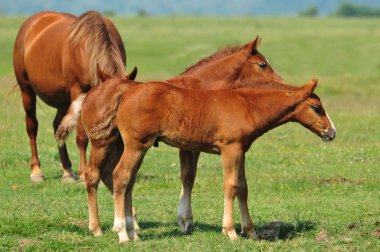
point(224, 122)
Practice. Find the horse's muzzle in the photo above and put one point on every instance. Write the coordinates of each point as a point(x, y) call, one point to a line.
point(328, 135)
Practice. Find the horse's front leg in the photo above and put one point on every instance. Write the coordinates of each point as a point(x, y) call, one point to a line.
point(82, 142)
point(68, 175)
point(247, 228)
point(92, 177)
point(189, 160)
point(233, 160)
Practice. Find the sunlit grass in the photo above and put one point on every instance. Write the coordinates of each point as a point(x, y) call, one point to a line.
point(292, 175)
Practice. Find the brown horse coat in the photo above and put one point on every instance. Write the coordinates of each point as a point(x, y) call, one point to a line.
point(223, 122)
point(227, 68)
point(57, 57)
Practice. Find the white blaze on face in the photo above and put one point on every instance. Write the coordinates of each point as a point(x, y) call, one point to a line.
point(332, 124)
point(274, 70)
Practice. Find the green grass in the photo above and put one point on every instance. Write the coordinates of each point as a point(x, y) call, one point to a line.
point(292, 175)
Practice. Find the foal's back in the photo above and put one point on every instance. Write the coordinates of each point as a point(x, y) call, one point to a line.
point(189, 119)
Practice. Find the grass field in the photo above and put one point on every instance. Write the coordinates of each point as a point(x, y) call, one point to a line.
point(326, 195)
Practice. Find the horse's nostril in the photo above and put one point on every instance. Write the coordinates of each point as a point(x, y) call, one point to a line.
point(331, 133)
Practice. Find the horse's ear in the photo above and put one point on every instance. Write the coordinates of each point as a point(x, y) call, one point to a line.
point(102, 75)
point(252, 46)
point(132, 75)
point(309, 88)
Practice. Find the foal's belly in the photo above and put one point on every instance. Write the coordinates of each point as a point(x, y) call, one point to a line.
point(191, 145)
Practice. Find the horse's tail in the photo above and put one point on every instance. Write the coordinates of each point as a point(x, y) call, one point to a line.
point(104, 47)
point(104, 127)
point(70, 120)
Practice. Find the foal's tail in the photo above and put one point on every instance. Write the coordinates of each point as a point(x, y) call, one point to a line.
point(70, 120)
point(104, 47)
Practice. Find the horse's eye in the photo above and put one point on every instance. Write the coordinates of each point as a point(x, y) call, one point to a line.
point(317, 109)
point(262, 65)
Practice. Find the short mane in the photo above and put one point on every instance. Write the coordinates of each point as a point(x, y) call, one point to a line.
point(264, 84)
point(102, 50)
point(213, 57)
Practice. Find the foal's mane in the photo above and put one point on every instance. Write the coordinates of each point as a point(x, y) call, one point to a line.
point(102, 50)
point(262, 84)
point(213, 57)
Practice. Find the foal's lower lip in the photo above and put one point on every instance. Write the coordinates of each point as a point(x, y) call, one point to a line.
point(325, 137)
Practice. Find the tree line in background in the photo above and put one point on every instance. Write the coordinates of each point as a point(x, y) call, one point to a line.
point(345, 9)
point(307, 8)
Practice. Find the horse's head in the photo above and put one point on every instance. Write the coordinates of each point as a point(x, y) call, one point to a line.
point(311, 114)
point(255, 65)
point(244, 65)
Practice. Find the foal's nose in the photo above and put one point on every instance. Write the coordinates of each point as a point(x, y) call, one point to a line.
point(329, 135)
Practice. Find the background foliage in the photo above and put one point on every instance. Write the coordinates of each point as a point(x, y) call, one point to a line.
point(184, 7)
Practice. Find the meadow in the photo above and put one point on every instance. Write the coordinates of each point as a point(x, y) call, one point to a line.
point(325, 196)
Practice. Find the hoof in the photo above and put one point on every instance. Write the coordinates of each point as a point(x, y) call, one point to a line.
point(136, 225)
point(124, 241)
point(81, 179)
point(231, 234)
point(188, 230)
point(136, 237)
point(98, 233)
point(186, 226)
point(68, 179)
point(250, 235)
point(37, 179)
point(123, 236)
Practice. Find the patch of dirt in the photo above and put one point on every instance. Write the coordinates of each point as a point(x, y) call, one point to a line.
point(361, 234)
point(334, 181)
point(27, 242)
point(376, 233)
point(354, 225)
point(347, 239)
point(323, 236)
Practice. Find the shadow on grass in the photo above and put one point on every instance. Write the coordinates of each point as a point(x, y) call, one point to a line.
point(278, 230)
point(275, 230)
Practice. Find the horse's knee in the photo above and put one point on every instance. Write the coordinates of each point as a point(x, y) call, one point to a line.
point(82, 139)
point(92, 178)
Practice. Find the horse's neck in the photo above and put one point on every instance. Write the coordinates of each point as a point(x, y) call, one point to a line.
point(213, 75)
point(269, 109)
point(190, 82)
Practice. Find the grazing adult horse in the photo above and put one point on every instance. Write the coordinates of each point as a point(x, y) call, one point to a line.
point(224, 122)
point(58, 56)
point(227, 68)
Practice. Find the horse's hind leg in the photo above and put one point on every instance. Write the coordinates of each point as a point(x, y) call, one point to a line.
point(189, 160)
point(82, 142)
point(108, 166)
point(92, 176)
point(29, 103)
point(68, 175)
